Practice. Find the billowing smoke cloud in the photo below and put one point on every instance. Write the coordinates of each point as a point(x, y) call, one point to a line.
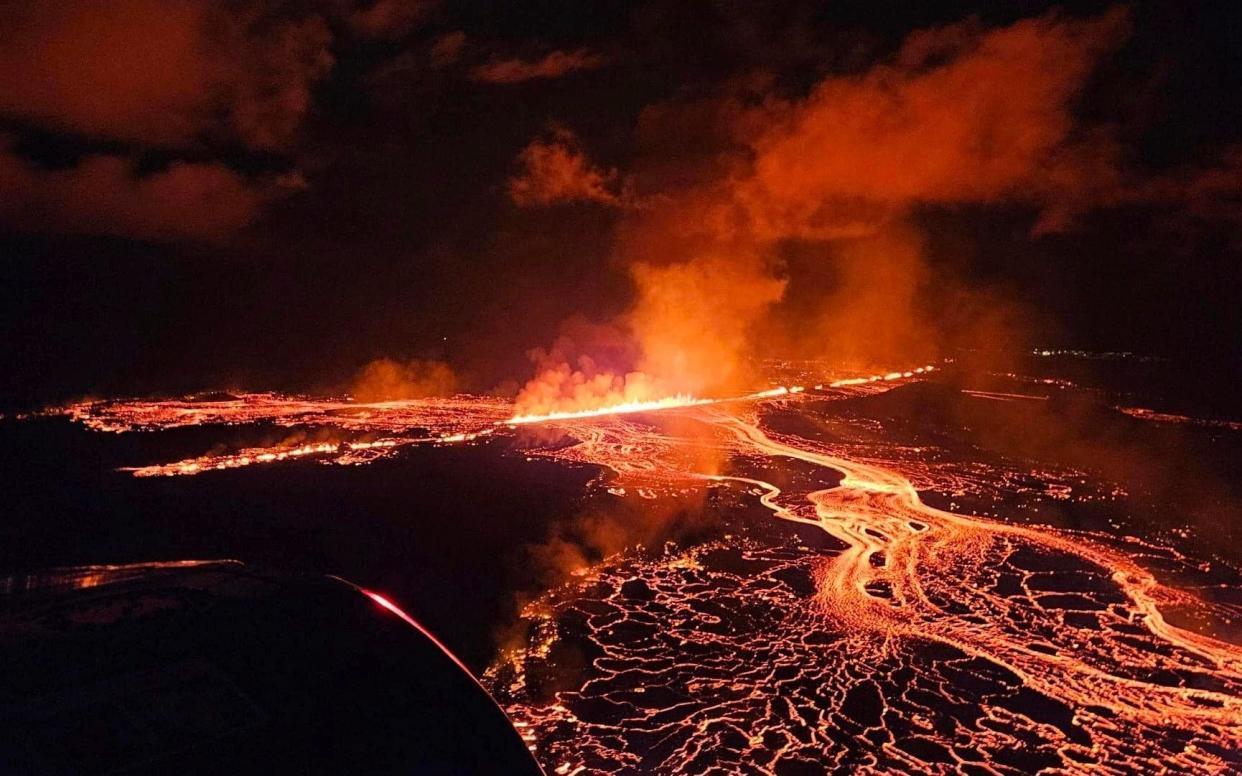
point(553, 65)
point(960, 116)
point(555, 169)
point(581, 366)
point(728, 190)
point(387, 380)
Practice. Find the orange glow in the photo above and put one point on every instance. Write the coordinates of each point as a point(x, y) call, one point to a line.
point(654, 405)
point(431, 421)
point(612, 409)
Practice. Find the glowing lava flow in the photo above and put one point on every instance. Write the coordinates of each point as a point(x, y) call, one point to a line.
point(655, 405)
point(888, 377)
point(458, 419)
point(863, 631)
point(341, 452)
point(683, 401)
point(123, 415)
point(434, 421)
point(908, 638)
point(876, 511)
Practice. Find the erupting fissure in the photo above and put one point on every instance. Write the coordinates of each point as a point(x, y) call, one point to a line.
point(462, 418)
point(626, 408)
point(863, 630)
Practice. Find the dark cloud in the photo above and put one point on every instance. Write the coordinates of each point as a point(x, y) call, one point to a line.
point(553, 65)
point(447, 48)
point(832, 180)
point(178, 76)
point(161, 72)
point(389, 18)
point(105, 195)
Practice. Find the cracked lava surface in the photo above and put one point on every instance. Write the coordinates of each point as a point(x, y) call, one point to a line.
point(910, 638)
point(853, 628)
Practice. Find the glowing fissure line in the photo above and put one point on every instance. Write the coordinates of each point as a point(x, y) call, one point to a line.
point(887, 377)
point(686, 400)
point(1143, 413)
point(655, 405)
point(998, 396)
point(462, 418)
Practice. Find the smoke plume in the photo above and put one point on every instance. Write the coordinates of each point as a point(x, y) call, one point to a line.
point(728, 189)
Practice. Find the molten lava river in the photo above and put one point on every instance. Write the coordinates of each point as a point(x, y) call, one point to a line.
point(833, 621)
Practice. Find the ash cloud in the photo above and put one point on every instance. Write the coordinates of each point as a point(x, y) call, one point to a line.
point(387, 19)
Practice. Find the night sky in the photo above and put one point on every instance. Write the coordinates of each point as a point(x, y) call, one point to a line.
point(200, 194)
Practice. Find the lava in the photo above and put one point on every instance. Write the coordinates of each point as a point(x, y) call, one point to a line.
point(624, 408)
point(1143, 413)
point(856, 628)
point(913, 639)
point(124, 415)
point(655, 405)
point(407, 422)
point(341, 452)
point(459, 419)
